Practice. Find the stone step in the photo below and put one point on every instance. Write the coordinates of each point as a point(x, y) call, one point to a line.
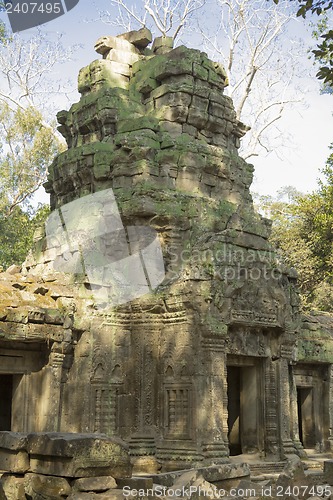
point(263, 468)
point(258, 478)
point(313, 465)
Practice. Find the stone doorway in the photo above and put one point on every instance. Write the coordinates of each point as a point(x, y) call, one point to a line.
point(6, 397)
point(305, 410)
point(245, 410)
point(234, 410)
point(312, 406)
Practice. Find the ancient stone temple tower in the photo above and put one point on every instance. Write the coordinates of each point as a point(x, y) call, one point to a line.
point(200, 365)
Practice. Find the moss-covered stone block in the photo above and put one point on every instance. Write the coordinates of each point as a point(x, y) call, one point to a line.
point(200, 72)
point(102, 74)
point(173, 114)
point(133, 124)
point(101, 171)
point(144, 83)
point(173, 99)
point(129, 140)
point(169, 67)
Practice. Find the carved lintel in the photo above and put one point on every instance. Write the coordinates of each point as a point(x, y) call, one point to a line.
point(214, 344)
point(251, 317)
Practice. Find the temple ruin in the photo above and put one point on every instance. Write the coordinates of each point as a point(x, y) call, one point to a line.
point(211, 356)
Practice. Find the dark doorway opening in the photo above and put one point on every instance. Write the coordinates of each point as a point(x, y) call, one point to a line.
point(306, 425)
point(244, 410)
point(234, 409)
point(6, 396)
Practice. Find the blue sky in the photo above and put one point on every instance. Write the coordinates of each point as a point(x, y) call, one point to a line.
point(310, 128)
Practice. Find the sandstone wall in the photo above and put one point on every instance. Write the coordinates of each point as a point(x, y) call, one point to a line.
point(154, 130)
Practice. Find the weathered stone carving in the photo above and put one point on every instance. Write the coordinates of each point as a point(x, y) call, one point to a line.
point(67, 455)
point(168, 371)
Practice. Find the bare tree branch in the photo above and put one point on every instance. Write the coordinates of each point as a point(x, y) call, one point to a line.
point(28, 135)
point(167, 17)
point(247, 38)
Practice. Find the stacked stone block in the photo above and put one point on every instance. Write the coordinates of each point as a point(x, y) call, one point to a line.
point(155, 126)
point(154, 129)
point(164, 114)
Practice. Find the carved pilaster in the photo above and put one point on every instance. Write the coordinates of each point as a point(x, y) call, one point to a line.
point(213, 414)
point(106, 380)
point(271, 408)
point(56, 362)
point(180, 402)
point(145, 350)
point(287, 445)
point(294, 418)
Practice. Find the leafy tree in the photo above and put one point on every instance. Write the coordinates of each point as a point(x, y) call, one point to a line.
point(316, 217)
point(28, 135)
point(26, 150)
point(303, 232)
point(286, 236)
point(324, 55)
point(16, 233)
point(320, 30)
point(324, 51)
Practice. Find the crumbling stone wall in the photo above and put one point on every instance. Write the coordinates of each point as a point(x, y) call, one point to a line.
point(168, 371)
point(154, 126)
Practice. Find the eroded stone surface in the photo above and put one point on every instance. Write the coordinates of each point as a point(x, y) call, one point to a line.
point(13, 487)
point(96, 484)
point(69, 455)
point(328, 471)
point(215, 359)
point(40, 487)
point(140, 38)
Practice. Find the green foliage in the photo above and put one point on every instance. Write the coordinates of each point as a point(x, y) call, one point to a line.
point(28, 138)
point(286, 235)
point(316, 215)
point(16, 233)
point(324, 51)
point(27, 147)
point(303, 232)
point(324, 55)
point(4, 35)
point(314, 6)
